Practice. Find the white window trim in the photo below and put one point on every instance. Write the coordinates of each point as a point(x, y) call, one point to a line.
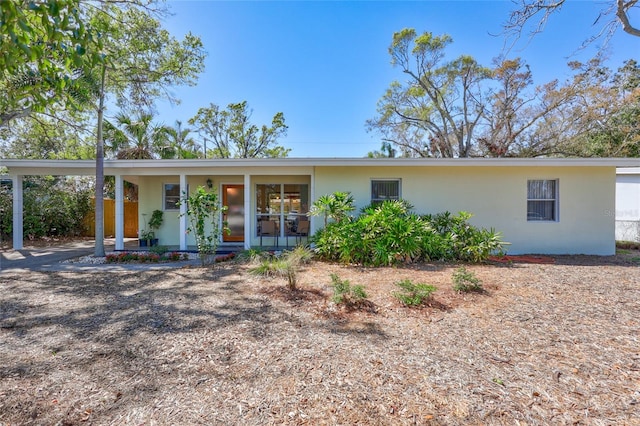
point(556, 200)
point(164, 196)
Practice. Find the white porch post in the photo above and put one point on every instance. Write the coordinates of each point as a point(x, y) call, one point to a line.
point(18, 210)
point(247, 212)
point(312, 221)
point(119, 213)
point(183, 212)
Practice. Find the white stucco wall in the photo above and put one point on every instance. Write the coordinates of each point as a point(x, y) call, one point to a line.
point(497, 196)
point(628, 204)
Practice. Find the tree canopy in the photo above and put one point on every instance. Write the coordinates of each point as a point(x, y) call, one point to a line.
point(44, 45)
point(436, 111)
point(233, 136)
point(460, 108)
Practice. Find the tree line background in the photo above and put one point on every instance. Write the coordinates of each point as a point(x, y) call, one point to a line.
point(81, 79)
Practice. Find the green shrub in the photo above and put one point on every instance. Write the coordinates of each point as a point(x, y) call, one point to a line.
point(457, 239)
point(52, 206)
point(390, 234)
point(413, 294)
point(204, 209)
point(466, 281)
point(385, 234)
point(6, 212)
point(346, 294)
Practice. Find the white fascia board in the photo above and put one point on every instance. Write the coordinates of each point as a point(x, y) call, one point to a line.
point(275, 165)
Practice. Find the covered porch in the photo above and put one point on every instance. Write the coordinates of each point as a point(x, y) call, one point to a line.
point(267, 204)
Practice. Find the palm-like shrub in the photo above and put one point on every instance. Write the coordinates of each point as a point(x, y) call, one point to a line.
point(336, 206)
point(389, 233)
point(286, 265)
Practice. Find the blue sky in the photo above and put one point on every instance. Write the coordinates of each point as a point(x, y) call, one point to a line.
point(325, 64)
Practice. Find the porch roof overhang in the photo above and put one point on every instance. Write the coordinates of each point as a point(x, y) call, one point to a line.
point(283, 165)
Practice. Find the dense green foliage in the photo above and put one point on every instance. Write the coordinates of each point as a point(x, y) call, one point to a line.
point(52, 207)
point(43, 44)
point(390, 234)
point(336, 206)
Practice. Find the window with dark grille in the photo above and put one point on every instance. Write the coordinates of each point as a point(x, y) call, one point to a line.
point(382, 190)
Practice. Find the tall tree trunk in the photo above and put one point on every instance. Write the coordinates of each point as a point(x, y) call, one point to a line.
point(99, 245)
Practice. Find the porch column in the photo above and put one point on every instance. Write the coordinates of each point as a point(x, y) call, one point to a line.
point(247, 212)
point(183, 212)
point(119, 213)
point(18, 210)
point(312, 222)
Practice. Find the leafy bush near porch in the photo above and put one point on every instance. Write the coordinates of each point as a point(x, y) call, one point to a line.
point(390, 233)
point(52, 206)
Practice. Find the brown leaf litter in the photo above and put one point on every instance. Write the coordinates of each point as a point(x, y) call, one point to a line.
point(548, 343)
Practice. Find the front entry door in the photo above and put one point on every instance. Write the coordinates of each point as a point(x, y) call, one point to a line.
point(233, 198)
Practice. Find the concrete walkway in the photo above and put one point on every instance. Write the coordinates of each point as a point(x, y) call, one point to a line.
point(51, 258)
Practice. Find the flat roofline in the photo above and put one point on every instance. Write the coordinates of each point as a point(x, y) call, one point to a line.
point(87, 166)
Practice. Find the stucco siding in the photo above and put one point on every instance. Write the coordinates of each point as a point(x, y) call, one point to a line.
point(497, 197)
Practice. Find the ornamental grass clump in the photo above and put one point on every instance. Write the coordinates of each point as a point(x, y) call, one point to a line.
point(286, 265)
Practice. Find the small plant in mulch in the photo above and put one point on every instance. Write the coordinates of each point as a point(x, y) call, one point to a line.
point(465, 281)
point(413, 294)
point(348, 295)
point(285, 265)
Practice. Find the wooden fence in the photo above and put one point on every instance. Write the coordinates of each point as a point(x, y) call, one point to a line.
point(130, 219)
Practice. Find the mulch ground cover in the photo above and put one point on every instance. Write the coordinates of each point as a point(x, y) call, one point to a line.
point(545, 343)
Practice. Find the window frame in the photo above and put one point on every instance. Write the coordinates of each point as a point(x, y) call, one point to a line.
point(164, 197)
point(282, 214)
point(555, 200)
point(373, 181)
